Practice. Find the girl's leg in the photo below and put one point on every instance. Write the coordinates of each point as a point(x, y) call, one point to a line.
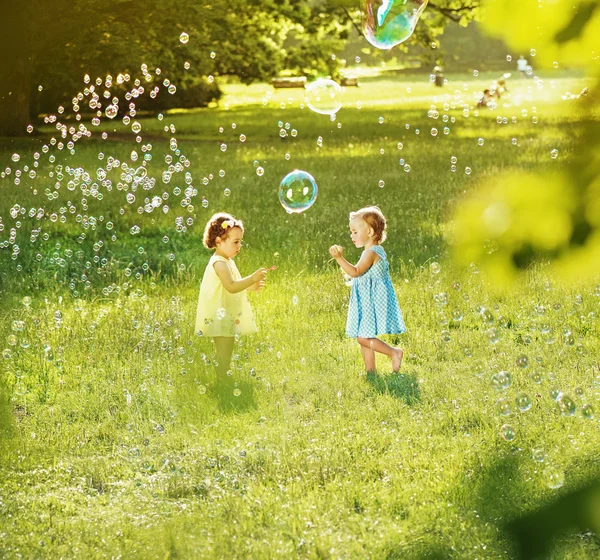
point(379, 346)
point(369, 358)
point(224, 346)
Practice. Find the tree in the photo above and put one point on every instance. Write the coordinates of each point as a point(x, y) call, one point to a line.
point(56, 44)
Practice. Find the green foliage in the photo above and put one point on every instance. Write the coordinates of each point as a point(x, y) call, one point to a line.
point(518, 218)
point(251, 40)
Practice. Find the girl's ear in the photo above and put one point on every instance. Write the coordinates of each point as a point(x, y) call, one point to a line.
point(371, 232)
point(218, 240)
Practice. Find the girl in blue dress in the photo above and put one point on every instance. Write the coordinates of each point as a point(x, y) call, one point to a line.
point(373, 308)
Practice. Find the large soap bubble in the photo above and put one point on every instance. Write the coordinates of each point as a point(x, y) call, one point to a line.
point(298, 191)
point(390, 22)
point(324, 96)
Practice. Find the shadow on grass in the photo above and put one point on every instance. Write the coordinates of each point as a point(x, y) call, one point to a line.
point(534, 532)
point(402, 386)
point(234, 397)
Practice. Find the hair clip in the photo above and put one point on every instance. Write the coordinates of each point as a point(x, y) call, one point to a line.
point(226, 224)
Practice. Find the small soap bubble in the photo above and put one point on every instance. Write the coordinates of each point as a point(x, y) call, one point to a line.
point(435, 268)
point(184, 38)
point(566, 405)
point(260, 171)
point(501, 380)
point(555, 394)
point(297, 191)
point(554, 153)
point(553, 478)
point(523, 402)
point(476, 73)
point(381, 184)
point(587, 411)
point(324, 96)
point(111, 111)
point(522, 361)
point(538, 455)
point(503, 407)
point(480, 141)
point(507, 432)
point(478, 368)
point(467, 170)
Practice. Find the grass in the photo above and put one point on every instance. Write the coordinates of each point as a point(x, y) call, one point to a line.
point(117, 442)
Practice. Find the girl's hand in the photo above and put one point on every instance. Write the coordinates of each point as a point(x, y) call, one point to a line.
point(336, 251)
point(259, 275)
point(257, 287)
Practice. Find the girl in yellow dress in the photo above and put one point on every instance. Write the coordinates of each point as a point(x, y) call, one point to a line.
point(223, 307)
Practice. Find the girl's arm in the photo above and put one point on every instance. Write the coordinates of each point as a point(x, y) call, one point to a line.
point(366, 261)
point(235, 286)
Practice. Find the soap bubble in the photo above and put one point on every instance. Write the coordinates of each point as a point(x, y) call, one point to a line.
point(554, 478)
point(15, 157)
point(587, 411)
point(507, 432)
point(523, 402)
point(111, 111)
point(501, 380)
point(566, 405)
point(538, 455)
point(184, 38)
point(503, 407)
point(522, 361)
point(434, 267)
point(297, 191)
point(479, 368)
point(324, 97)
point(387, 24)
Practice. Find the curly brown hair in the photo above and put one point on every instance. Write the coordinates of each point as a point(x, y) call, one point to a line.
point(375, 218)
point(219, 226)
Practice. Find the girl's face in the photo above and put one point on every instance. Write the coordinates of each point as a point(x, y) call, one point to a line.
point(231, 245)
point(360, 232)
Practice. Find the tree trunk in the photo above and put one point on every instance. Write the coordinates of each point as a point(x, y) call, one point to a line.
point(16, 41)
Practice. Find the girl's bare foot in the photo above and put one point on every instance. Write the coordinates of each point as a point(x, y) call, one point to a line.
point(397, 360)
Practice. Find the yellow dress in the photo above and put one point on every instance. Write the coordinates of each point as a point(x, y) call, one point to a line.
point(221, 313)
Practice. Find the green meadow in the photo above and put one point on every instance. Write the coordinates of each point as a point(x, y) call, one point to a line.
point(116, 440)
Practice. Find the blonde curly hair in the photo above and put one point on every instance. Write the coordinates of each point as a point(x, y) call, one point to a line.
point(374, 218)
point(219, 225)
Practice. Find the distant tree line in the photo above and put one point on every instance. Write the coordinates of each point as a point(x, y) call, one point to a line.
point(54, 44)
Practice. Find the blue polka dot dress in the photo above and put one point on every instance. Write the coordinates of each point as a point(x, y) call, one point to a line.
point(373, 308)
